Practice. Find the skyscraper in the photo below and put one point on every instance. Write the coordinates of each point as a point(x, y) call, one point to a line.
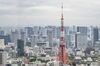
point(2, 33)
point(82, 30)
point(81, 41)
point(29, 31)
point(3, 55)
point(75, 40)
point(6, 38)
point(50, 37)
point(20, 47)
point(14, 36)
point(95, 35)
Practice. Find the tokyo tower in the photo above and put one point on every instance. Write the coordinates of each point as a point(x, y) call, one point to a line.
point(62, 54)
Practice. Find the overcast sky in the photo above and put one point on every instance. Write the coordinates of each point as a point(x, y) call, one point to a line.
point(48, 12)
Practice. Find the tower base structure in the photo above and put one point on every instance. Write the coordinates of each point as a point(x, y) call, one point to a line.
point(63, 56)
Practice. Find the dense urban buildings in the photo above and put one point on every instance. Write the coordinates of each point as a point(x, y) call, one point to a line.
point(37, 43)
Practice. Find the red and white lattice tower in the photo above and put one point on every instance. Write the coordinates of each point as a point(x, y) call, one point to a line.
point(62, 54)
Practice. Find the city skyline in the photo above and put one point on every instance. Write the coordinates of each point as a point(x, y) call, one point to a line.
point(49, 33)
point(43, 13)
point(30, 45)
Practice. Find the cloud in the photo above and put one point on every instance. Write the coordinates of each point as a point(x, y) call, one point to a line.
point(48, 12)
point(46, 8)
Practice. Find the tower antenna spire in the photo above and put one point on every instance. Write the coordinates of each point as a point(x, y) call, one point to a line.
point(62, 26)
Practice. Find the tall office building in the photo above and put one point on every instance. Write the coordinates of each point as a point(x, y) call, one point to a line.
point(75, 40)
point(82, 30)
point(95, 35)
point(14, 36)
point(3, 55)
point(22, 34)
point(2, 33)
point(6, 38)
point(34, 40)
point(50, 37)
point(29, 31)
point(20, 47)
point(81, 37)
point(81, 41)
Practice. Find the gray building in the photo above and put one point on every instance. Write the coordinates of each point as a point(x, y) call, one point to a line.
point(81, 41)
point(82, 29)
point(50, 37)
point(95, 35)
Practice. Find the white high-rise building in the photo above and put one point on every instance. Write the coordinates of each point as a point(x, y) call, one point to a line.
point(2, 46)
point(3, 55)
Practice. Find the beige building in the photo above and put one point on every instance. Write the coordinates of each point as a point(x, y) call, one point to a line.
point(2, 46)
point(99, 61)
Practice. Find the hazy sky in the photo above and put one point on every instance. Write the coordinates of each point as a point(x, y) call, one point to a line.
point(48, 12)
